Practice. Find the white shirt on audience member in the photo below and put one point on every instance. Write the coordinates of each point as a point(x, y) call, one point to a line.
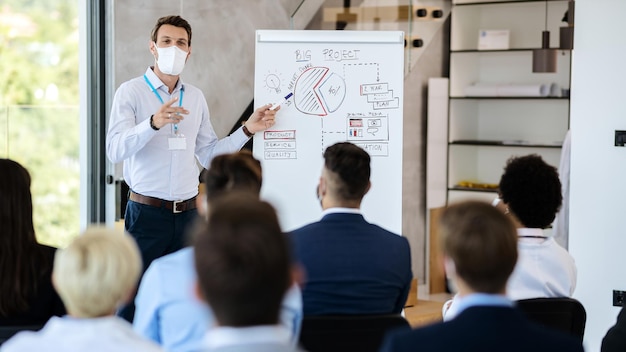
point(544, 268)
point(69, 334)
point(262, 338)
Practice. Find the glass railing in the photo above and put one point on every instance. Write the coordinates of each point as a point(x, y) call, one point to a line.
point(45, 140)
point(419, 19)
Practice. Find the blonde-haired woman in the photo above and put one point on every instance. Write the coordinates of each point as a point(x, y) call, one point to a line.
point(94, 275)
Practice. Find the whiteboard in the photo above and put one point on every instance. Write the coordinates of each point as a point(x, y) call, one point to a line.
point(347, 86)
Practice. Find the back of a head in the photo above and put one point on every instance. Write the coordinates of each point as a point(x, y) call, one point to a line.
point(16, 206)
point(235, 171)
point(482, 243)
point(97, 272)
point(349, 167)
point(532, 190)
point(22, 261)
point(243, 262)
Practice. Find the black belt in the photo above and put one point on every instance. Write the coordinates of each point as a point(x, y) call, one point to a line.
point(176, 206)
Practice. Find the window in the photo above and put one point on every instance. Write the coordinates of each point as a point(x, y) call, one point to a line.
point(39, 108)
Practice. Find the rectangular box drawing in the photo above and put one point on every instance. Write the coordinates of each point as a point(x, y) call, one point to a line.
point(280, 145)
point(374, 88)
point(386, 96)
point(375, 149)
point(286, 134)
point(368, 129)
point(280, 154)
point(389, 104)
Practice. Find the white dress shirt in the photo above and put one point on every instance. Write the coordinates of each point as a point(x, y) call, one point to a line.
point(69, 334)
point(544, 268)
point(273, 338)
point(150, 167)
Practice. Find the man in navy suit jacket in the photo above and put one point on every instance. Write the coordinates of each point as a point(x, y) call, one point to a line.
point(351, 266)
point(480, 252)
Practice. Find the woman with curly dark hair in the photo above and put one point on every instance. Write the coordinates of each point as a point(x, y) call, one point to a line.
point(530, 194)
point(26, 293)
point(530, 191)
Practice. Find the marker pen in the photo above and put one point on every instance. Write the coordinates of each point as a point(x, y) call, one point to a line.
point(281, 102)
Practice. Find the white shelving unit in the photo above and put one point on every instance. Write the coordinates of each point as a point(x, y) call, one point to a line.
point(485, 131)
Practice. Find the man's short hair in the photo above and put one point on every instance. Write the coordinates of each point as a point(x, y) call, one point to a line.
point(532, 190)
point(97, 272)
point(175, 21)
point(349, 167)
point(242, 261)
point(482, 243)
point(238, 171)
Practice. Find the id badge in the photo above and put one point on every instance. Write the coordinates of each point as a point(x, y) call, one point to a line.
point(177, 143)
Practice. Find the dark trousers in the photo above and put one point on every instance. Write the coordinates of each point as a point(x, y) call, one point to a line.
point(157, 231)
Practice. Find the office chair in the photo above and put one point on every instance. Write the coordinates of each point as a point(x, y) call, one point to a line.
point(562, 313)
point(6, 332)
point(361, 333)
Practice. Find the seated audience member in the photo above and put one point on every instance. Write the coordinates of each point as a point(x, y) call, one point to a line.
point(479, 245)
point(244, 270)
point(351, 266)
point(530, 192)
point(94, 275)
point(530, 195)
point(615, 338)
point(26, 293)
point(167, 310)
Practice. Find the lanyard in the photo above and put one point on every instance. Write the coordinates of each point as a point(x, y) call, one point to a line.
point(180, 97)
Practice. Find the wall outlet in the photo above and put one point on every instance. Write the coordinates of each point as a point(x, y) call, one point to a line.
point(618, 298)
point(620, 138)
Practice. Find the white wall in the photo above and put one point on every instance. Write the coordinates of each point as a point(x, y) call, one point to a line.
point(598, 169)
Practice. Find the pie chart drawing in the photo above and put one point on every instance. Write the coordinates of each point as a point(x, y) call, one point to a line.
point(316, 92)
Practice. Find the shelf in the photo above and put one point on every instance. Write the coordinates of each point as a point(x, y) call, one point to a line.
point(501, 2)
point(503, 68)
point(472, 189)
point(485, 163)
point(496, 50)
point(511, 98)
point(524, 19)
point(503, 144)
point(484, 132)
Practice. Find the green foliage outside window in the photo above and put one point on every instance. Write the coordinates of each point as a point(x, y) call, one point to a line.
point(39, 115)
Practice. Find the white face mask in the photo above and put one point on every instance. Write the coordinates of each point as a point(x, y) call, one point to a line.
point(171, 60)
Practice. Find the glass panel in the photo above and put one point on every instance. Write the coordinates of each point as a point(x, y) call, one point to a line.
point(39, 115)
point(44, 139)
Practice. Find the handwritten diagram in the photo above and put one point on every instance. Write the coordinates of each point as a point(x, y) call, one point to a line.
point(318, 92)
point(342, 86)
point(347, 89)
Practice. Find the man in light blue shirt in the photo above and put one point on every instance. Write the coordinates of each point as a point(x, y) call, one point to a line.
point(168, 311)
point(160, 129)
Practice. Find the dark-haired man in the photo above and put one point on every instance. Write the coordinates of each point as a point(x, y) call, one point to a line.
point(480, 252)
point(351, 266)
point(244, 269)
point(160, 129)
